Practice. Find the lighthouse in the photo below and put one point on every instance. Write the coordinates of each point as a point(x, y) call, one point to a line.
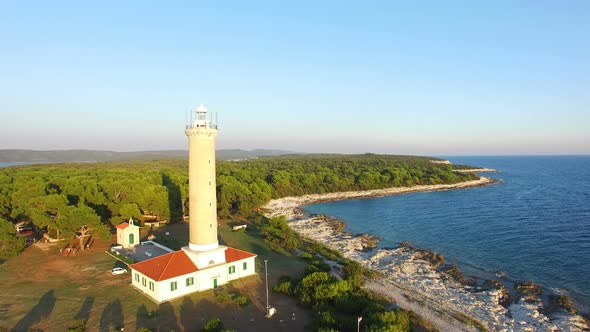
point(203, 248)
point(204, 263)
point(202, 195)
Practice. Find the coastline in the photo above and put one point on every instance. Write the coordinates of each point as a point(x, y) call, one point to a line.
point(415, 283)
point(288, 206)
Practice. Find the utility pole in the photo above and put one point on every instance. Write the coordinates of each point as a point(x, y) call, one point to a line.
point(266, 277)
point(269, 310)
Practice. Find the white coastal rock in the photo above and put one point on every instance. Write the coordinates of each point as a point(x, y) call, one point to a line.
point(433, 295)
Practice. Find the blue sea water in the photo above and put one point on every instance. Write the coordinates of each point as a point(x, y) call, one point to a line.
point(534, 225)
point(13, 164)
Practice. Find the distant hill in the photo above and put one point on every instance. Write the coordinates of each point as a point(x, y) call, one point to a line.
point(35, 156)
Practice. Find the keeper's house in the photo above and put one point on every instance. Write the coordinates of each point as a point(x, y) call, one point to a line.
point(174, 275)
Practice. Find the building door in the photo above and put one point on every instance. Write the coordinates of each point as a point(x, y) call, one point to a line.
point(215, 283)
point(131, 238)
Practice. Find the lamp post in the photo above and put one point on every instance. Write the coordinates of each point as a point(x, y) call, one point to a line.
point(266, 278)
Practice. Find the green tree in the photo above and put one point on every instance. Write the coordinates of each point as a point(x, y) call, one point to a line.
point(129, 211)
point(47, 212)
point(278, 234)
point(81, 221)
point(10, 244)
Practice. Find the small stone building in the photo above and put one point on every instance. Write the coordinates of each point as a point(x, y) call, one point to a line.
point(128, 234)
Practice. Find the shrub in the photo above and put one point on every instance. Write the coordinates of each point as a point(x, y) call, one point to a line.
point(306, 256)
point(222, 296)
point(77, 326)
point(240, 300)
point(283, 288)
point(213, 325)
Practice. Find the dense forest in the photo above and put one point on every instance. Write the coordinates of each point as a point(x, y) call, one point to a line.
point(62, 198)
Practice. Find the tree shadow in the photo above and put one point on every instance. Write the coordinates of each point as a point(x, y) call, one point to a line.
point(143, 317)
point(39, 312)
point(202, 312)
point(84, 311)
point(188, 316)
point(174, 198)
point(112, 317)
point(167, 320)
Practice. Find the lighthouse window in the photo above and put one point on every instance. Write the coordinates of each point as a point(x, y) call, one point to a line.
point(209, 161)
point(209, 203)
point(210, 225)
point(209, 182)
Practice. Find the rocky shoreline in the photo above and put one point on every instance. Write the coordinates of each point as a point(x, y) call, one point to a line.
point(476, 170)
point(419, 280)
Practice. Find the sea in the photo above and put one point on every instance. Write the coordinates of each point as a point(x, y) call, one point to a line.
point(14, 164)
point(533, 225)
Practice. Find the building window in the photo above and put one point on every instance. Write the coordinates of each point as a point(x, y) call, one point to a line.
point(245, 265)
point(232, 269)
point(143, 282)
point(190, 281)
point(137, 277)
point(173, 286)
point(151, 286)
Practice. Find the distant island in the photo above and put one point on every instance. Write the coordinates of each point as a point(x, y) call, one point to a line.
point(56, 156)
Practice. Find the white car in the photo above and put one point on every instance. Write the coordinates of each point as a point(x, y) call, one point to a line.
point(118, 270)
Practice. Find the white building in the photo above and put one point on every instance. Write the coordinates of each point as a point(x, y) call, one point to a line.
point(203, 264)
point(128, 234)
point(174, 275)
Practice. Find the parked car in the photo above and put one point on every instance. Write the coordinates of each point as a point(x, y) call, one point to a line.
point(27, 232)
point(24, 229)
point(118, 270)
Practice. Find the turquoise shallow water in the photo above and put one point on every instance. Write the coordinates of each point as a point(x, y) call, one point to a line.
point(534, 225)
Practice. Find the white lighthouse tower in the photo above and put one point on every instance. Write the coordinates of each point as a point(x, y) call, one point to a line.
point(201, 169)
point(203, 248)
point(204, 263)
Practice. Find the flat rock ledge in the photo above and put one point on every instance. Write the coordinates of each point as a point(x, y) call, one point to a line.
point(411, 277)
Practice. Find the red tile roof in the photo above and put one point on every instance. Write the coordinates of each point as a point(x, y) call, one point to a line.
point(233, 254)
point(122, 225)
point(166, 266)
point(176, 264)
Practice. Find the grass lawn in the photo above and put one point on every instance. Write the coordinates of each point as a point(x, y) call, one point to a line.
point(43, 290)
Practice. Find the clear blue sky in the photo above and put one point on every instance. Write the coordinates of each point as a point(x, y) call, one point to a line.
point(420, 77)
